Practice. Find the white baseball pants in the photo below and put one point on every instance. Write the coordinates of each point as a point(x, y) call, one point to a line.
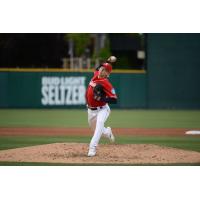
point(96, 120)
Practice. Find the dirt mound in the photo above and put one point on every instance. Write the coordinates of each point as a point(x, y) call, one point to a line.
point(108, 154)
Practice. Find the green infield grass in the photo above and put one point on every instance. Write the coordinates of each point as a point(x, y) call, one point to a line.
point(118, 118)
point(4, 163)
point(189, 143)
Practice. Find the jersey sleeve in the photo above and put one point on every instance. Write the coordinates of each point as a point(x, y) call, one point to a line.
point(109, 90)
point(96, 73)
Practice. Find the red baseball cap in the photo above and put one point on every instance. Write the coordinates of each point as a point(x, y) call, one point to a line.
point(107, 66)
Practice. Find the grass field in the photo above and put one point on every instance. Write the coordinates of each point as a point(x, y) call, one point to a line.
point(119, 118)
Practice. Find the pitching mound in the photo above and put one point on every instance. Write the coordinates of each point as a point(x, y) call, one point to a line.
point(107, 154)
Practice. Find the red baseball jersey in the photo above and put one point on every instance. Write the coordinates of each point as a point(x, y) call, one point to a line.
point(107, 87)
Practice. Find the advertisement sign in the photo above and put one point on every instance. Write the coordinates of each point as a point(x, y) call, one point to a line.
point(63, 90)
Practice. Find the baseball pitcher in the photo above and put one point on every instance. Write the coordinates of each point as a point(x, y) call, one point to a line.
point(99, 94)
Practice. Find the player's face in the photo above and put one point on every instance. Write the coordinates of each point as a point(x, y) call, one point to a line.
point(103, 73)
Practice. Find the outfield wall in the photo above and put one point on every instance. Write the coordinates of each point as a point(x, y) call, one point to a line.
point(65, 89)
point(173, 65)
point(172, 80)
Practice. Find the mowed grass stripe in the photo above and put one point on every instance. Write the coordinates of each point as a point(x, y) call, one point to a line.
point(4, 163)
point(187, 142)
point(10, 142)
point(62, 118)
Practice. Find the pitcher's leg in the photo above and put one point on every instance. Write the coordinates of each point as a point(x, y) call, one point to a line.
point(92, 118)
point(107, 132)
point(101, 118)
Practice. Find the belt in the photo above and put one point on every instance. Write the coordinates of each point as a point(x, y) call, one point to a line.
point(95, 108)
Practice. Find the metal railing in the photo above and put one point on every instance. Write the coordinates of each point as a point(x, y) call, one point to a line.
point(80, 63)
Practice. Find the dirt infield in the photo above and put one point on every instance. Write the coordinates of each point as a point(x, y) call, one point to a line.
point(107, 154)
point(87, 131)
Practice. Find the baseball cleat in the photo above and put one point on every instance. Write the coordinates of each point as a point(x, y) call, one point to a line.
point(111, 137)
point(91, 152)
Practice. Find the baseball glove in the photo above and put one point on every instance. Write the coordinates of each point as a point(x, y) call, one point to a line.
point(98, 92)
